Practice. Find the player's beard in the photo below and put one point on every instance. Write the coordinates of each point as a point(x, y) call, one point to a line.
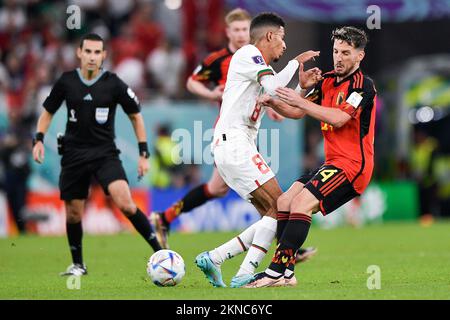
point(344, 73)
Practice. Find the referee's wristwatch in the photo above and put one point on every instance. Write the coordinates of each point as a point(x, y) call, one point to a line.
point(143, 150)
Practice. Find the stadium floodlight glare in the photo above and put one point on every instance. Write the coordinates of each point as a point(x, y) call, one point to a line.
point(173, 4)
point(425, 114)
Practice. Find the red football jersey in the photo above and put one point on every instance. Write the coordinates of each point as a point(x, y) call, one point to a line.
point(214, 67)
point(351, 146)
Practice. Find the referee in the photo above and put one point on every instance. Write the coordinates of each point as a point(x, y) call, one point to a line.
point(88, 149)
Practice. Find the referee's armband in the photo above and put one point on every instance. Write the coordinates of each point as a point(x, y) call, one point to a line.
point(39, 136)
point(143, 150)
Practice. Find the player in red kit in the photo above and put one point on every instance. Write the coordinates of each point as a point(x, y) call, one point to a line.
point(344, 101)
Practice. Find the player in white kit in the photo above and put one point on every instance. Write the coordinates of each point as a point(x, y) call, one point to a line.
point(234, 144)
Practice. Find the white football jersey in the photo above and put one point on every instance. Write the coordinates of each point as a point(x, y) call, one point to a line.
point(239, 110)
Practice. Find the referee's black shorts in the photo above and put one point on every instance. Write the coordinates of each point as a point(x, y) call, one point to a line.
point(74, 181)
point(330, 186)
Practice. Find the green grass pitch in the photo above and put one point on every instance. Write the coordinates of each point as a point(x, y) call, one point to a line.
point(414, 263)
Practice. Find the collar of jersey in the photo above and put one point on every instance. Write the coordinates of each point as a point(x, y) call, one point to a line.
point(336, 83)
point(92, 81)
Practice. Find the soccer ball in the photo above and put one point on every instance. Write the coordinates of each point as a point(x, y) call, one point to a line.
point(166, 268)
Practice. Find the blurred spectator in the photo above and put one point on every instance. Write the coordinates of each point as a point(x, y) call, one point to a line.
point(131, 71)
point(148, 33)
point(127, 56)
point(16, 74)
point(202, 29)
point(118, 13)
point(15, 148)
point(37, 89)
point(4, 76)
point(166, 66)
point(163, 163)
point(441, 170)
point(12, 17)
point(126, 45)
point(421, 168)
point(68, 58)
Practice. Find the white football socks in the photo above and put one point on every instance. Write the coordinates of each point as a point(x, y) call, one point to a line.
point(235, 246)
point(265, 232)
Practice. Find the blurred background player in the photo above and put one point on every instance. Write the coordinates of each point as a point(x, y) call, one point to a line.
point(15, 147)
point(91, 95)
point(344, 101)
point(234, 144)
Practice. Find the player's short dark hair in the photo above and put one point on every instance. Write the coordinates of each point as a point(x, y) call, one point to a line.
point(93, 37)
point(265, 19)
point(355, 37)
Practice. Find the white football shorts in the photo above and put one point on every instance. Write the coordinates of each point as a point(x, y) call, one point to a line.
point(240, 164)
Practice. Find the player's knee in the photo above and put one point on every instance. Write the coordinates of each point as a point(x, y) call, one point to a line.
point(73, 215)
point(127, 207)
point(301, 203)
point(283, 202)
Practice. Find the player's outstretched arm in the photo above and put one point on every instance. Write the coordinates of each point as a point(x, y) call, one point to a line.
point(42, 126)
point(137, 122)
point(270, 82)
point(281, 107)
point(198, 88)
point(306, 56)
point(308, 78)
point(336, 117)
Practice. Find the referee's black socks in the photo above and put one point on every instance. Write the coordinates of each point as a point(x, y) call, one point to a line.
point(142, 225)
point(74, 235)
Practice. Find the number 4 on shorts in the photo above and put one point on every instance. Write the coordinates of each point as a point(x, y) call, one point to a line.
point(327, 174)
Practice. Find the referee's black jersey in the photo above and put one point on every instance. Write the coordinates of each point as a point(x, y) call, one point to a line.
point(91, 107)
